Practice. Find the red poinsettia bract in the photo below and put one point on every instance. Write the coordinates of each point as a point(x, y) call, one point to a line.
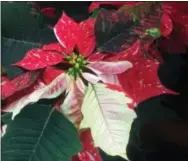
point(89, 151)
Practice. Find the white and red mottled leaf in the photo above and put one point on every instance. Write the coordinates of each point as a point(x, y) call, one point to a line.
point(110, 67)
point(70, 106)
point(86, 43)
point(91, 77)
point(67, 32)
point(18, 83)
point(32, 94)
point(108, 78)
point(37, 59)
point(109, 110)
point(80, 84)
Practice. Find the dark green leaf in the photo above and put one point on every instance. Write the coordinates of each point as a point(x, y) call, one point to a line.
point(106, 157)
point(19, 24)
point(148, 111)
point(20, 32)
point(14, 51)
point(116, 31)
point(6, 118)
point(40, 133)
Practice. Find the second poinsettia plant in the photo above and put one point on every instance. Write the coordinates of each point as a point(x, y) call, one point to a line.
point(95, 76)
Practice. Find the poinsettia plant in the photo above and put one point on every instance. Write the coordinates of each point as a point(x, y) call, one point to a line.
point(96, 74)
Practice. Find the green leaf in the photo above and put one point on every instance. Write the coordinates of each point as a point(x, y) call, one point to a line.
point(153, 109)
point(13, 51)
point(95, 13)
point(20, 33)
point(6, 118)
point(22, 25)
point(40, 133)
point(107, 113)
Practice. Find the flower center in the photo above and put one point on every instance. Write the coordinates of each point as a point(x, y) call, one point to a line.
point(78, 63)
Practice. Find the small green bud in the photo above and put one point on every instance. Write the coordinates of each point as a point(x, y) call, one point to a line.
point(80, 70)
point(68, 57)
point(77, 65)
point(79, 60)
point(84, 62)
point(70, 71)
point(154, 32)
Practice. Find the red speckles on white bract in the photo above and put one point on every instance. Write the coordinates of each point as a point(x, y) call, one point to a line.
point(37, 59)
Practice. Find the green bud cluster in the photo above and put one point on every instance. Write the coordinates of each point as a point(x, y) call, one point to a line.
point(77, 62)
